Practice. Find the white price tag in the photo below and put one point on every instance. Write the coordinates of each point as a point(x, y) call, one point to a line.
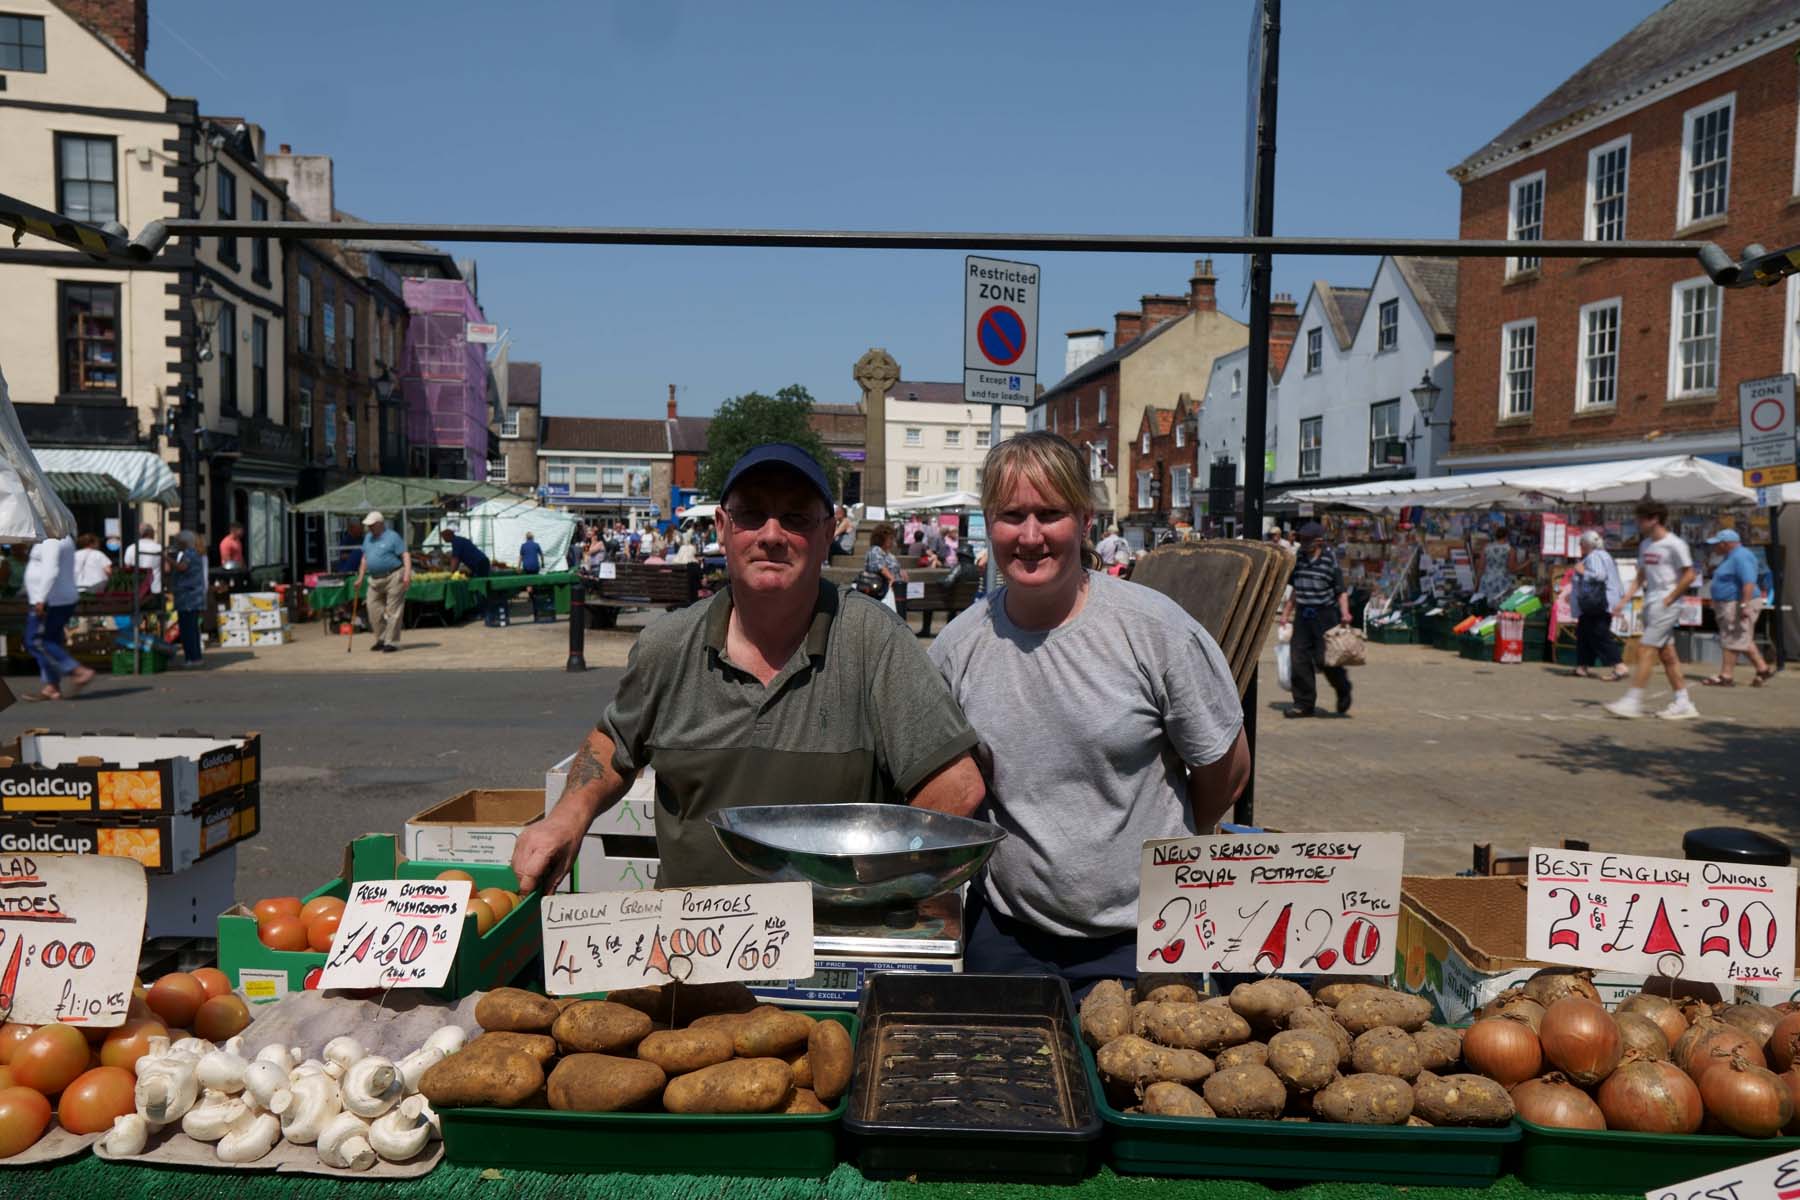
point(915, 590)
point(397, 933)
point(1715, 922)
point(1774, 1178)
point(609, 570)
point(597, 941)
point(1296, 904)
point(71, 927)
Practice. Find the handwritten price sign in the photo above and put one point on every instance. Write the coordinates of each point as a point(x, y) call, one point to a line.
point(596, 941)
point(1297, 904)
point(1715, 922)
point(71, 926)
point(1774, 1178)
point(397, 933)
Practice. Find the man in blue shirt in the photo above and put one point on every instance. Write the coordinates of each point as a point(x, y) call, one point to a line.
point(388, 565)
point(468, 556)
point(1737, 602)
point(531, 556)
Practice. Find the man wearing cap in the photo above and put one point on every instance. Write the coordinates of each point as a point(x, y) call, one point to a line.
point(1316, 601)
point(780, 689)
point(1737, 602)
point(388, 565)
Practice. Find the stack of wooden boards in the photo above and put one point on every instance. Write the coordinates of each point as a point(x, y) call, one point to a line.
point(1233, 588)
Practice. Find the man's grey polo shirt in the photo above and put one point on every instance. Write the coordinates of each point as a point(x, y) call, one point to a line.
point(858, 714)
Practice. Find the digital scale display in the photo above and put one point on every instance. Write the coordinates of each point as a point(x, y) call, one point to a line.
point(838, 983)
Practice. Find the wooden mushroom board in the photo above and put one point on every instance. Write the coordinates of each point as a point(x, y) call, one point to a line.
point(172, 1148)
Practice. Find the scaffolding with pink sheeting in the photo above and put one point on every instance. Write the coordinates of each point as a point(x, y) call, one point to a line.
point(443, 375)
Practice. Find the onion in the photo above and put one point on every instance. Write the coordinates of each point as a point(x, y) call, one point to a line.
point(1663, 1012)
point(1552, 1100)
point(1553, 983)
point(1581, 1040)
point(1747, 1098)
point(1517, 1006)
point(1757, 1020)
point(1681, 989)
point(1503, 1050)
point(1643, 1037)
point(1784, 1042)
point(1651, 1097)
point(1791, 1081)
point(1711, 1043)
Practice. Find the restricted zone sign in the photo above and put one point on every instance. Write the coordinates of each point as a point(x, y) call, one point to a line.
point(1766, 427)
point(1000, 310)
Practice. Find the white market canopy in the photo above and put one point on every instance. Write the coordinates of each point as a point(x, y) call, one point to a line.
point(1674, 479)
point(140, 474)
point(498, 527)
point(29, 508)
point(941, 501)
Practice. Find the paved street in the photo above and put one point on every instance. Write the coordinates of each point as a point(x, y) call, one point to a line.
point(1448, 751)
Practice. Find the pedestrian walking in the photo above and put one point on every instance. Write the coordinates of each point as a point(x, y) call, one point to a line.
point(51, 592)
point(1317, 602)
point(187, 580)
point(388, 565)
point(93, 569)
point(880, 562)
point(146, 555)
point(1737, 603)
point(1594, 595)
point(1114, 550)
point(1665, 569)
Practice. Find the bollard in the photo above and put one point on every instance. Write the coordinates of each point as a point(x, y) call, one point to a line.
point(577, 628)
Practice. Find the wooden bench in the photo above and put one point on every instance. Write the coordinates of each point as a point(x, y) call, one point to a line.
point(640, 585)
point(945, 597)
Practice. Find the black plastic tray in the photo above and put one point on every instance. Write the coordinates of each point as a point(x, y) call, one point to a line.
point(970, 1077)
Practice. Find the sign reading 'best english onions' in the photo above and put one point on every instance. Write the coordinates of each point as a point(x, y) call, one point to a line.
point(1722, 923)
point(1270, 904)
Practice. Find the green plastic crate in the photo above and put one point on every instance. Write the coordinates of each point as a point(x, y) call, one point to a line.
point(1475, 648)
point(1393, 635)
point(759, 1145)
point(1583, 1160)
point(150, 662)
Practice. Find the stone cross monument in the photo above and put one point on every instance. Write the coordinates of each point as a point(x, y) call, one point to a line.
point(876, 373)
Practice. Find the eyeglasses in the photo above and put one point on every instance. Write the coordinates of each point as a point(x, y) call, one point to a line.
point(748, 519)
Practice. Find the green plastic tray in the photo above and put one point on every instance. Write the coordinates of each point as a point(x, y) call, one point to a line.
point(761, 1145)
point(1217, 1148)
point(1586, 1160)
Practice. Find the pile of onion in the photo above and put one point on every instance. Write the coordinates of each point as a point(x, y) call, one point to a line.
point(1643, 1037)
point(1504, 1050)
point(1651, 1097)
point(1517, 1006)
point(1746, 1098)
point(1553, 983)
point(1553, 1101)
point(1711, 1043)
point(1666, 1014)
point(1581, 1039)
point(1784, 1043)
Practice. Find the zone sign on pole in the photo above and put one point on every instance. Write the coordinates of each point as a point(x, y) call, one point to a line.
point(1766, 427)
point(1000, 310)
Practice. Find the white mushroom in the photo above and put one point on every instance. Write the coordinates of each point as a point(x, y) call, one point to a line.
point(414, 1066)
point(213, 1117)
point(127, 1136)
point(250, 1138)
point(307, 1105)
point(222, 1071)
point(198, 1048)
point(263, 1080)
point(313, 1066)
point(166, 1088)
point(234, 1045)
point(402, 1131)
point(430, 1114)
point(372, 1086)
point(343, 1053)
point(344, 1143)
point(448, 1038)
point(282, 1056)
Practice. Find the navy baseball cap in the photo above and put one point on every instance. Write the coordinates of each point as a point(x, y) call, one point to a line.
point(1311, 530)
point(779, 454)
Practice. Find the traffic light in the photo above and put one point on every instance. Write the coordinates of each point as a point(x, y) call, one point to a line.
point(1758, 265)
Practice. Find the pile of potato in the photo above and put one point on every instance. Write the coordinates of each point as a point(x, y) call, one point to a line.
point(1351, 1053)
point(703, 1048)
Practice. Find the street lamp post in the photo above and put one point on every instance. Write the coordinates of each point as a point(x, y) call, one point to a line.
point(1425, 395)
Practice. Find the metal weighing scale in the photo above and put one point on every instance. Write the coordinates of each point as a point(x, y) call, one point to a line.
point(887, 884)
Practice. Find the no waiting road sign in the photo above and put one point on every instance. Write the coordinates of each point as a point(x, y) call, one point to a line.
point(1000, 311)
point(1766, 430)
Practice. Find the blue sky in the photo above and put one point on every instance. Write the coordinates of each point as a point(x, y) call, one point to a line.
point(907, 114)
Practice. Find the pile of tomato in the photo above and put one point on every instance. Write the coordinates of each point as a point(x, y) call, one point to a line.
point(283, 923)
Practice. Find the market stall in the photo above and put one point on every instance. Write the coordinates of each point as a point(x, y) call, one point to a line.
point(441, 594)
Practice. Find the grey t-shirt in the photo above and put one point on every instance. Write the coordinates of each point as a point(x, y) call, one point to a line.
point(1088, 727)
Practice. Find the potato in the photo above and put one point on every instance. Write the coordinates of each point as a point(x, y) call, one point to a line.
point(1461, 1100)
point(498, 1078)
point(600, 1027)
point(1134, 1062)
point(1439, 1047)
point(728, 1021)
point(1190, 1026)
point(802, 1067)
point(1164, 1099)
point(805, 1101)
point(770, 1033)
point(1332, 989)
point(1387, 1050)
point(604, 1083)
point(831, 1058)
point(1365, 1100)
point(1248, 1093)
point(540, 1046)
point(515, 1010)
point(1322, 1020)
point(1417, 1122)
point(1172, 993)
point(1266, 1003)
point(745, 1085)
point(1372, 1008)
point(1105, 1013)
point(678, 1051)
point(1303, 1059)
point(1254, 1054)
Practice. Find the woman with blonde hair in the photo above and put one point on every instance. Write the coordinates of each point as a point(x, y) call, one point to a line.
point(1109, 718)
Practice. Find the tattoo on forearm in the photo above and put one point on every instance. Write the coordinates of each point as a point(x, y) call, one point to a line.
point(585, 769)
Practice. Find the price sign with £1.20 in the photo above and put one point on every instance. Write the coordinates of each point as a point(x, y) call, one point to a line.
point(1722, 923)
point(397, 933)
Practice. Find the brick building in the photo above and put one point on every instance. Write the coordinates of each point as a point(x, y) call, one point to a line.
point(1162, 464)
point(844, 430)
point(1685, 128)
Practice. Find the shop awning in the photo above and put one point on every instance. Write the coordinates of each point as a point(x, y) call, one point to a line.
point(1674, 479)
point(143, 475)
point(29, 509)
point(941, 502)
point(394, 494)
point(85, 487)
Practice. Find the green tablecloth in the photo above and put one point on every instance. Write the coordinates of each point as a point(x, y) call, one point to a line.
point(453, 595)
point(511, 585)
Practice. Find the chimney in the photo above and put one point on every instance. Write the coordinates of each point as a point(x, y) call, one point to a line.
point(309, 182)
point(1158, 309)
point(1203, 287)
point(124, 23)
point(1284, 327)
point(1085, 345)
point(286, 149)
point(1127, 327)
point(671, 402)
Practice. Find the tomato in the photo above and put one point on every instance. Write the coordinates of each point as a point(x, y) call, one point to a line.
point(321, 904)
point(484, 915)
point(176, 997)
point(6, 1078)
point(50, 1058)
point(90, 1103)
point(212, 981)
point(24, 1115)
point(320, 929)
point(11, 1035)
point(221, 1017)
point(497, 899)
point(282, 933)
point(278, 906)
point(130, 1042)
point(455, 874)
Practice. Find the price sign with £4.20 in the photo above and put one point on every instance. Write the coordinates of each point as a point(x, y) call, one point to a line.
point(397, 933)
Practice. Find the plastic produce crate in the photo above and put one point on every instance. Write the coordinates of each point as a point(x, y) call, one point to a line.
point(1313, 1152)
point(762, 1145)
point(1584, 1160)
point(970, 1077)
point(1393, 635)
point(149, 662)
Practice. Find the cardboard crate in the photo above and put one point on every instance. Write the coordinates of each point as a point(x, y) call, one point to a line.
point(271, 637)
point(45, 772)
point(234, 639)
point(251, 620)
point(256, 601)
point(477, 826)
point(601, 873)
point(633, 816)
point(161, 844)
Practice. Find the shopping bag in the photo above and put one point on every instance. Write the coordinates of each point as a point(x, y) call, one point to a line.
point(1344, 647)
point(1284, 666)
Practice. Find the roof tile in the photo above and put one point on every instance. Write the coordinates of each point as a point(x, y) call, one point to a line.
point(626, 435)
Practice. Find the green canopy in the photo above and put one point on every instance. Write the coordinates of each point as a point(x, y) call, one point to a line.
point(393, 494)
point(85, 487)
